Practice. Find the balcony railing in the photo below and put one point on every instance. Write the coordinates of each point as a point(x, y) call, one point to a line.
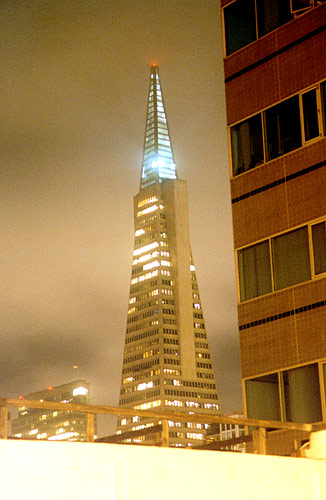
point(258, 436)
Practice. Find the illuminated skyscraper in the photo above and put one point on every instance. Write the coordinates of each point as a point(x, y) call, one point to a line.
point(166, 361)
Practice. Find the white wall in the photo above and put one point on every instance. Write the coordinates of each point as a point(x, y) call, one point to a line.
point(32, 470)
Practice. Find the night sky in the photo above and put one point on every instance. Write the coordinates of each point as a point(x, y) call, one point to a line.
point(74, 80)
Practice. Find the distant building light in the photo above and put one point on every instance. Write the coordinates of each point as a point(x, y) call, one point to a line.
point(61, 437)
point(50, 388)
point(80, 391)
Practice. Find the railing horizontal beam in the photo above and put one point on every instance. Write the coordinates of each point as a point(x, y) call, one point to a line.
point(160, 415)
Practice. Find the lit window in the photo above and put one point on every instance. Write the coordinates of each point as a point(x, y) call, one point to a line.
point(148, 210)
point(145, 248)
point(139, 232)
point(144, 386)
point(147, 406)
point(152, 199)
point(151, 265)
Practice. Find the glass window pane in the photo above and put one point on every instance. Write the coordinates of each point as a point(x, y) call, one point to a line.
point(310, 115)
point(283, 127)
point(271, 14)
point(319, 247)
point(291, 262)
point(262, 397)
point(254, 271)
point(247, 145)
point(323, 101)
point(302, 394)
point(240, 25)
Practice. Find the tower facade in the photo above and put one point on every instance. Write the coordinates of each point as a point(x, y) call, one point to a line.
point(275, 82)
point(166, 361)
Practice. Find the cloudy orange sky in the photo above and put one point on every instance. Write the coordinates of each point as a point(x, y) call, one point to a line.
point(74, 82)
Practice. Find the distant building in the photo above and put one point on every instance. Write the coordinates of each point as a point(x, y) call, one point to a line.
point(275, 77)
point(167, 363)
point(226, 432)
point(50, 424)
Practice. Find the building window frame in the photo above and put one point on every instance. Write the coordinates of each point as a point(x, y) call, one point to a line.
point(281, 373)
point(241, 276)
point(256, 28)
point(234, 134)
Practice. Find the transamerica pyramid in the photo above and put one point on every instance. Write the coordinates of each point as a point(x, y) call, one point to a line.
point(167, 363)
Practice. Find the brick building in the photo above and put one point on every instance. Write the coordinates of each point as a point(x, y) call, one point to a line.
point(275, 81)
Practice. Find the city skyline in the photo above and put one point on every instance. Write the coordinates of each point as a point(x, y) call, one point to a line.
point(73, 95)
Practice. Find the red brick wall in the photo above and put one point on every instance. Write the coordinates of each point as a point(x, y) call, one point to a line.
point(282, 207)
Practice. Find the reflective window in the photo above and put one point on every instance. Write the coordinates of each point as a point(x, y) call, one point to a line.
point(310, 114)
point(283, 128)
point(262, 395)
point(271, 14)
point(240, 25)
point(247, 145)
point(254, 271)
point(291, 261)
point(301, 385)
point(319, 247)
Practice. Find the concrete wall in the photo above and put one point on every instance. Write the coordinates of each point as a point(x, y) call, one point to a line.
point(79, 471)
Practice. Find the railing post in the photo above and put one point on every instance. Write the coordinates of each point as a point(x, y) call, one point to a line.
point(259, 441)
point(165, 434)
point(90, 428)
point(3, 422)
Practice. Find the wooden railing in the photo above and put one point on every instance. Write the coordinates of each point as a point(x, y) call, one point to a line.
point(258, 436)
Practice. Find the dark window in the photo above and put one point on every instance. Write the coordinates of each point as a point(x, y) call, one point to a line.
point(283, 127)
point(310, 115)
point(300, 5)
point(302, 394)
point(240, 25)
point(247, 145)
point(271, 14)
point(254, 271)
point(263, 400)
point(291, 262)
point(319, 247)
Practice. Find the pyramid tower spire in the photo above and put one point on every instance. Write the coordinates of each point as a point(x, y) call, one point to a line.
point(166, 363)
point(158, 160)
